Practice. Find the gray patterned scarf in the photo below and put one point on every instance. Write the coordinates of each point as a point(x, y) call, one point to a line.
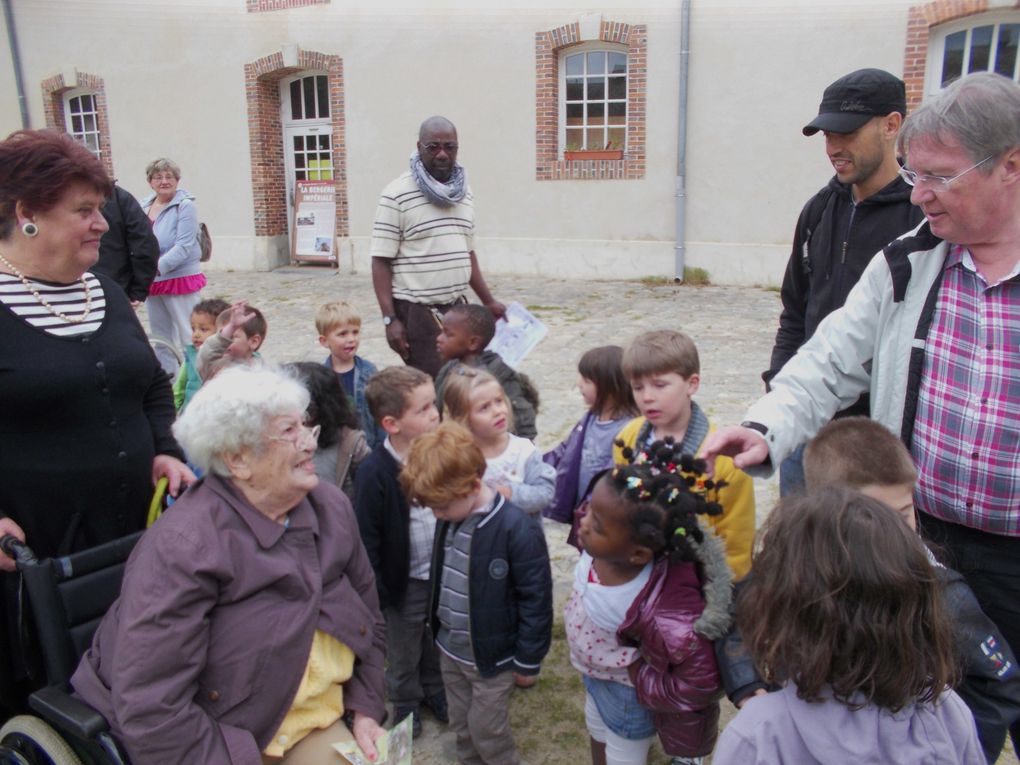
point(442, 194)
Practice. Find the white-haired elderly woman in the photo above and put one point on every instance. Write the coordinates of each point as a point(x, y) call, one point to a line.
point(248, 628)
point(179, 278)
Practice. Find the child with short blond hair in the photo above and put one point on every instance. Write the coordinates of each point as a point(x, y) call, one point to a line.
point(515, 469)
point(339, 328)
point(664, 372)
point(491, 603)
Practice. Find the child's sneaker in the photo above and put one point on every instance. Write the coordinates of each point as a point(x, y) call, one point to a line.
point(437, 703)
point(687, 761)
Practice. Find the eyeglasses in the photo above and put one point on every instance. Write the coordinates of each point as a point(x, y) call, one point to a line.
point(935, 182)
point(294, 434)
point(166, 177)
point(449, 147)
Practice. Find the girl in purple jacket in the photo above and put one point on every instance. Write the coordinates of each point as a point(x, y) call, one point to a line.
point(588, 449)
point(651, 591)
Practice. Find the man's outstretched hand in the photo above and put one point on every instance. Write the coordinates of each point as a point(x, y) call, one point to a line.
point(746, 446)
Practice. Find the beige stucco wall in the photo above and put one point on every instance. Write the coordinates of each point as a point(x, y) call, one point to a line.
point(175, 87)
point(10, 111)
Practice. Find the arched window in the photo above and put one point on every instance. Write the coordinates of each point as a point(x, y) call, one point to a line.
point(81, 115)
point(594, 102)
point(590, 94)
point(307, 127)
point(309, 97)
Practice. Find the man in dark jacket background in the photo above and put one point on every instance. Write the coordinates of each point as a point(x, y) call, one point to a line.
point(863, 207)
point(129, 250)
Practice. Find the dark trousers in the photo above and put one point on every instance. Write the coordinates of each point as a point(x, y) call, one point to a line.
point(990, 564)
point(423, 324)
point(412, 659)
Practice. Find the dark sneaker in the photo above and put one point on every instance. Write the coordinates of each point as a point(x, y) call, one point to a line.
point(437, 703)
point(399, 713)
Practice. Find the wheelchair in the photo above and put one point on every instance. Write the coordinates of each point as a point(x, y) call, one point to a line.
point(67, 597)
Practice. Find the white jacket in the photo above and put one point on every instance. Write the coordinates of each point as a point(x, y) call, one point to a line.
point(865, 346)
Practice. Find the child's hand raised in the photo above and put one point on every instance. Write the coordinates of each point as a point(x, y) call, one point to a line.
point(506, 491)
point(239, 314)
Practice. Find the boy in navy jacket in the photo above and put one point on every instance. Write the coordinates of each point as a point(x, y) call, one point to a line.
point(491, 604)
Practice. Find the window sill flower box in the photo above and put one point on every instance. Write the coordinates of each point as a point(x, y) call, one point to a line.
point(573, 155)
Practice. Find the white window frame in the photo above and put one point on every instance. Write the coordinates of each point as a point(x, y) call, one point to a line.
point(285, 100)
point(69, 115)
point(937, 44)
point(305, 127)
point(589, 47)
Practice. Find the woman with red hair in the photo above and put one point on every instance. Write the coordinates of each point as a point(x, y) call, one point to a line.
point(85, 429)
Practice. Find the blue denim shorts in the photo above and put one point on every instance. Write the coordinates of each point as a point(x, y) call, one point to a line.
point(619, 708)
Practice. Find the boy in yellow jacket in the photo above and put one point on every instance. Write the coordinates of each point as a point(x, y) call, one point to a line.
point(664, 373)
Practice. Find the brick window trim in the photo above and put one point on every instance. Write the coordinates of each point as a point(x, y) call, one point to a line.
point(548, 47)
point(53, 90)
point(265, 133)
point(260, 6)
point(920, 19)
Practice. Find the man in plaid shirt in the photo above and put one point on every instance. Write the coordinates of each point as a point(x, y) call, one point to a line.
point(932, 331)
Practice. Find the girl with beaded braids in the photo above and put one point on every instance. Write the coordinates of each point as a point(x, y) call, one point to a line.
point(651, 592)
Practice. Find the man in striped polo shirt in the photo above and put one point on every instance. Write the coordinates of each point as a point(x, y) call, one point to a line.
point(423, 257)
point(932, 331)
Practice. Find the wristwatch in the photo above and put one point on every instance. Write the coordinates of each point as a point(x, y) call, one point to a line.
point(756, 426)
point(387, 320)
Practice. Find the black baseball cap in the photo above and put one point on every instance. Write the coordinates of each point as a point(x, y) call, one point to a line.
point(855, 98)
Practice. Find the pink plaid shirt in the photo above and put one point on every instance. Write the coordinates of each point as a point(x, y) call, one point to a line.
point(967, 433)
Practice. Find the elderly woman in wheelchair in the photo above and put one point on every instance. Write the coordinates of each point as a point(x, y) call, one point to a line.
point(247, 628)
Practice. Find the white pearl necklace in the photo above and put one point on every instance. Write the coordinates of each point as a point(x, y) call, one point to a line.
point(44, 303)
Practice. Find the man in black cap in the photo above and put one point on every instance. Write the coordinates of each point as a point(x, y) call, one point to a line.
point(864, 207)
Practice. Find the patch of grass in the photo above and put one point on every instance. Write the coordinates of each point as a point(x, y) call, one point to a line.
point(655, 281)
point(534, 308)
point(548, 720)
point(696, 277)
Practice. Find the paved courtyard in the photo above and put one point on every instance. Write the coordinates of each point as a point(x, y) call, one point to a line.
point(732, 326)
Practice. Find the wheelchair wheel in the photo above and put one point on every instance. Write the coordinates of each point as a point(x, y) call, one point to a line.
point(36, 742)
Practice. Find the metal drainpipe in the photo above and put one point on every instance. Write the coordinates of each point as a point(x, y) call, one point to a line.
point(12, 40)
point(681, 145)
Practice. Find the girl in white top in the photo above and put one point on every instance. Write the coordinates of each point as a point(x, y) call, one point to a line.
point(474, 398)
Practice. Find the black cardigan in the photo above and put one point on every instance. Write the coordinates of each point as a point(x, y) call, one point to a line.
point(83, 418)
point(384, 519)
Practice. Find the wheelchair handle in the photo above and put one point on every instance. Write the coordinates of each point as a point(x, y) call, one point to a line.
point(16, 549)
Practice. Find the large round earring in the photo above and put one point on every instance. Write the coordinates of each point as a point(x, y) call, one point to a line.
point(29, 229)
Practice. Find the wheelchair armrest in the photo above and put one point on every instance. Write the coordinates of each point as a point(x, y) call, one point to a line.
point(68, 714)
